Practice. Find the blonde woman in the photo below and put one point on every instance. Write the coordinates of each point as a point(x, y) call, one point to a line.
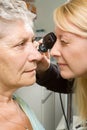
point(70, 52)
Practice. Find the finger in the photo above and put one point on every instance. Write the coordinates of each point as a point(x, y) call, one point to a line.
point(36, 44)
point(40, 41)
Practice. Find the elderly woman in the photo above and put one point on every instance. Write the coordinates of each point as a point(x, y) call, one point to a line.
point(18, 63)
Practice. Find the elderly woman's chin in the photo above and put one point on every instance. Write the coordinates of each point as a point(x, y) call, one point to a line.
point(27, 81)
point(31, 82)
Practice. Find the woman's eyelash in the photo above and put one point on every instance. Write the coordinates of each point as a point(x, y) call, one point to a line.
point(65, 42)
point(22, 43)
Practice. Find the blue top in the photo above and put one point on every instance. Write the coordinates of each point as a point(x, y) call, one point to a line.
point(25, 107)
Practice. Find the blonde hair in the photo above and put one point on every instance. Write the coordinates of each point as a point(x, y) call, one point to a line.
point(15, 9)
point(81, 96)
point(72, 13)
point(72, 17)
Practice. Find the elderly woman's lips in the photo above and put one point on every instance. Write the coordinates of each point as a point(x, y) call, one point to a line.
point(30, 71)
point(27, 71)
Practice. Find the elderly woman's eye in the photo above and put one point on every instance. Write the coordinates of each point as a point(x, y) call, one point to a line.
point(33, 39)
point(22, 43)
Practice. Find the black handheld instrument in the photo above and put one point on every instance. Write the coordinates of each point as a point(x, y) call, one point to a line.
point(48, 42)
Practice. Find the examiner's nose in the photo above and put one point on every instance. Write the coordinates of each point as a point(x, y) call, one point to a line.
point(56, 50)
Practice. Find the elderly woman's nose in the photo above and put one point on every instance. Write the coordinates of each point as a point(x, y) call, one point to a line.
point(37, 54)
point(34, 54)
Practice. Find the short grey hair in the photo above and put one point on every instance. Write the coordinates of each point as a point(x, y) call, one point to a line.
point(15, 9)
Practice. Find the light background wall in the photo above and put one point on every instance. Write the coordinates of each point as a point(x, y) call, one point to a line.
point(45, 10)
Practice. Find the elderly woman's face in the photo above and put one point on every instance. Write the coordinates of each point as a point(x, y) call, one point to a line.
point(70, 51)
point(18, 56)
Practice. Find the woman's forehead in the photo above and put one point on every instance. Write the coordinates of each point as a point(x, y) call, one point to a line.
point(14, 26)
point(16, 32)
point(28, 27)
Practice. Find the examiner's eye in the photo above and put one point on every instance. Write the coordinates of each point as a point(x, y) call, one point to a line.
point(63, 42)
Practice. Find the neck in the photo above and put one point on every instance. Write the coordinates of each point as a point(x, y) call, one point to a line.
point(4, 98)
point(5, 95)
